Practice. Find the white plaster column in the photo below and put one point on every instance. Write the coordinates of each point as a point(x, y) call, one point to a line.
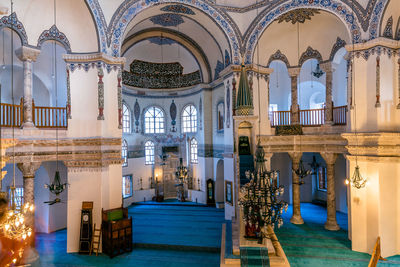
point(327, 67)
point(331, 223)
point(27, 55)
point(294, 108)
point(296, 218)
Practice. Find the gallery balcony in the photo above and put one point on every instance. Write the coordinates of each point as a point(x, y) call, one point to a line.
point(310, 118)
point(12, 115)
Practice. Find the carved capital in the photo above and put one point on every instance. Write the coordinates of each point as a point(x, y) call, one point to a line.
point(28, 169)
point(295, 156)
point(330, 158)
point(25, 53)
point(294, 72)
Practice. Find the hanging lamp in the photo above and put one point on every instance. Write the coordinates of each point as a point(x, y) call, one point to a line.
point(56, 187)
point(357, 180)
point(318, 72)
point(13, 225)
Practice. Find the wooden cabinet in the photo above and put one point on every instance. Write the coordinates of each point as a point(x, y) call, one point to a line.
point(116, 231)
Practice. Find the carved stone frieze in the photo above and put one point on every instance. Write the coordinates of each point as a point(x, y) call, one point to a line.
point(373, 144)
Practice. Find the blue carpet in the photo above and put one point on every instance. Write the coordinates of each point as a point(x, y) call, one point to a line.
point(176, 237)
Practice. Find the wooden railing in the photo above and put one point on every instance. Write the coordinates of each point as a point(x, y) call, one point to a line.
point(309, 117)
point(43, 117)
point(376, 254)
point(339, 115)
point(279, 118)
point(11, 115)
point(312, 117)
point(49, 117)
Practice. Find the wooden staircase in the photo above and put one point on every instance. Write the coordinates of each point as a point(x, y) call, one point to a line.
point(96, 237)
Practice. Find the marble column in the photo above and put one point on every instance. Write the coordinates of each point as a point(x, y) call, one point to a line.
point(294, 108)
point(327, 67)
point(331, 223)
point(27, 55)
point(296, 218)
point(28, 170)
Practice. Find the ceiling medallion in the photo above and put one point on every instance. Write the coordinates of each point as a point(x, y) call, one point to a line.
point(298, 15)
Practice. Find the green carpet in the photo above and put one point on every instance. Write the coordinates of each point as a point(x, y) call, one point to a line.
point(311, 244)
point(254, 257)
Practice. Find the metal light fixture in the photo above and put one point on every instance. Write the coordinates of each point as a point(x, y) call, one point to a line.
point(357, 180)
point(318, 72)
point(181, 176)
point(302, 172)
point(260, 199)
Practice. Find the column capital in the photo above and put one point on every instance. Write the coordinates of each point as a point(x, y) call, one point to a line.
point(295, 156)
point(330, 158)
point(28, 169)
point(327, 66)
point(295, 71)
point(25, 53)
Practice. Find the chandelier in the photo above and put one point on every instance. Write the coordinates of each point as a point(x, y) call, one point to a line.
point(182, 176)
point(260, 201)
point(317, 72)
point(301, 172)
point(357, 180)
point(56, 187)
point(14, 226)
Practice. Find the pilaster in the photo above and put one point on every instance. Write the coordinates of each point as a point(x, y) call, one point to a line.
point(327, 67)
point(294, 108)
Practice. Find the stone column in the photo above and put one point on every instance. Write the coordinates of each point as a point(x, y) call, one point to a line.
point(327, 67)
point(330, 159)
point(294, 108)
point(296, 218)
point(27, 55)
point(28, 170)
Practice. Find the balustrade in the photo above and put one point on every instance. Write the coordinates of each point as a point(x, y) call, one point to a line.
point(43, 117)
point(339, 115)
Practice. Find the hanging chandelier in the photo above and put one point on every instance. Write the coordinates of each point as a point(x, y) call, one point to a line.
point(56, 187)
point(181, 176)
point(260, 201)
point(301, 172)
point(317, 72)
point(357, 180)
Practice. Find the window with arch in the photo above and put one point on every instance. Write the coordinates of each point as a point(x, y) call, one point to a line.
point(154, 120)
point(189, 119)
point(126, 119)
point(124, 153)
point(193, 151)
point(149, 153)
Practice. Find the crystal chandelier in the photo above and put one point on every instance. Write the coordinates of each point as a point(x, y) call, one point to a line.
point(14, 226)
point(356, 180)
point(260, 201)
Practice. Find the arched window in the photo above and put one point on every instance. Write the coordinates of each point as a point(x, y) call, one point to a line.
point(124, 153)
point(189, 119)
point(154, 120)
point(193, 151)
point(126, 119)
point(149, 152)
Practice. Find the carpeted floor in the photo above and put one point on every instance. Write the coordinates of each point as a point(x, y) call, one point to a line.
point(311, 245)
point(163, 235)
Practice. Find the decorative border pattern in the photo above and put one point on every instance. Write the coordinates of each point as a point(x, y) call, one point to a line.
point(379, 50)
point(278, 56)
point(376, 19)
point(339, 44)
point(228, 105)
point(12, 22)
point(100, 93)
point(397, 34)
point(119, 88)
point(337, 8)
point(130, 8)
point(200, 114)
point(72, 66)
point(178, 9)
point(378, 82)
point(172, 113)
point(54, 34)
point(309, 54)
point(68, 95)
point(218, 68)
point(136, 113)
point(388, 32)
point(100, 23)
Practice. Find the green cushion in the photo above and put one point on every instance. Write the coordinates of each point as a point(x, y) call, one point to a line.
point(115, 215)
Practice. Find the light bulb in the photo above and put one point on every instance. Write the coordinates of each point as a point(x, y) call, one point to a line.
point(3, 67)
point(14, 260)
point(17, 223)
point(347, 181)
point(24, 236)
point(29, 233)
point(31, 208)
point(7, 226)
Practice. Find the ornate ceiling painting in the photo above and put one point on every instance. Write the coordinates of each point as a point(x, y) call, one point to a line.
point(363, 20)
